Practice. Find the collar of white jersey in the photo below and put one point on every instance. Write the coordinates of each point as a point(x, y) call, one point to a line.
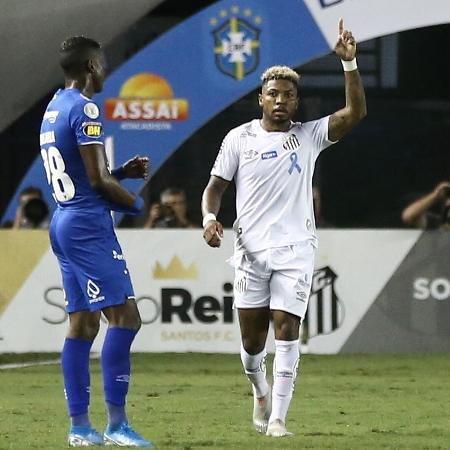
point(260, 127)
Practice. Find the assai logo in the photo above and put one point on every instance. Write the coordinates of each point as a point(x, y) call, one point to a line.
point(146, 101)
point(325, 311)
point(236, 41)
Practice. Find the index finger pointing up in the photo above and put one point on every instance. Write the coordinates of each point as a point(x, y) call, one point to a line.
point(341, 26)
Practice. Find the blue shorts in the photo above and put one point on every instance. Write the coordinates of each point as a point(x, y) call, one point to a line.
point(94, 271)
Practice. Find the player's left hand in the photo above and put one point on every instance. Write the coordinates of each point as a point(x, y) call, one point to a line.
point(137, 167)
point(345, 46)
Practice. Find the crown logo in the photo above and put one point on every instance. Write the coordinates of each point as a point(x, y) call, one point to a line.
point(175, 269)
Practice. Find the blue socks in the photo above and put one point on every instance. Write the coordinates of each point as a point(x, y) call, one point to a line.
point(116, 372)
point(75, 368)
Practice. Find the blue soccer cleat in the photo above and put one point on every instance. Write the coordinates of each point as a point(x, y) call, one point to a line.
point(84, 437)
point(124, 436)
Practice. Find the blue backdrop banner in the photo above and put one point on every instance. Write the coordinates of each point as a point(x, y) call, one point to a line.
point(167, 91)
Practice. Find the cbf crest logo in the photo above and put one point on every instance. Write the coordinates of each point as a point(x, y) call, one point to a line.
point(236, 41)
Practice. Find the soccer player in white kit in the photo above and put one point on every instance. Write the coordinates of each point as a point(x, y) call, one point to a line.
point(272, 163)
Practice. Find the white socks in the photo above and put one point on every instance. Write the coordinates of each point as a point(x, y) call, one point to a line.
point(255, 369)
point(287, 355)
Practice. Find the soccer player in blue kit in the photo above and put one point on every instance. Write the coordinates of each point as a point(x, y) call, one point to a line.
point(94, 271)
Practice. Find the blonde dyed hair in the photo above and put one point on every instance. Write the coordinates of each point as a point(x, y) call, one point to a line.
point(280, 73)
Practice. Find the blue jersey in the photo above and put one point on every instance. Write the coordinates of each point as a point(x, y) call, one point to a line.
point(71, 120)
point(82, 234)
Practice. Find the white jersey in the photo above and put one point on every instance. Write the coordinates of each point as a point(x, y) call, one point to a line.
point(273, 174)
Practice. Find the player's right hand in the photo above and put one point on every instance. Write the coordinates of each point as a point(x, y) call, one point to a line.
point(345, 46)
point(213, 233)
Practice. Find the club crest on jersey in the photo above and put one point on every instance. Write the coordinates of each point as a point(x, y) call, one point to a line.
point(91, 110)
point(92, 129)
point(291, 142)
point(269, 155)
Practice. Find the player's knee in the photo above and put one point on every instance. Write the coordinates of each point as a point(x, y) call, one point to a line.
point(92, 330)
point(287, 329)
point(253, 346)
point(87, 330)
point(128, 318)
point(136, 323)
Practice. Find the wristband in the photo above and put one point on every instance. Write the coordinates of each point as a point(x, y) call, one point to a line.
point(119, 173)
point(349, 66)
point(207, 218)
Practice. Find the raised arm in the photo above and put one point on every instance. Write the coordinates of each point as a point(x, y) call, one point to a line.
point(342, 121)
point(211, 201)
point(414, 214)
point(94, 159)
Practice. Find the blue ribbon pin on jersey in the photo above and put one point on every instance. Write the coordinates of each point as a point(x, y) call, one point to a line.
point(294, 165)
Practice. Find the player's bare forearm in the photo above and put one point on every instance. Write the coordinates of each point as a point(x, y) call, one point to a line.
point(95, 163)
point(112, 190)
point(212, 195)
point(413, 214)
point(342, 121)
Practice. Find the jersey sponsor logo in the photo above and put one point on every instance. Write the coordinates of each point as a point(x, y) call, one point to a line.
point(92, 129)
point(93, 291)
point(291, 142)
point(146, 97)
point(91, 110)
point(236, 41)
point(269, 155)
point(47, 138)
point(51, 116)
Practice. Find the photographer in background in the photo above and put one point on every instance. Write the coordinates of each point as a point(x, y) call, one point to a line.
point(430, 211)
point(32, 211)
point(170, 212)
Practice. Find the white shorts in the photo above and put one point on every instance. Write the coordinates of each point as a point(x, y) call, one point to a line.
point(278, 278)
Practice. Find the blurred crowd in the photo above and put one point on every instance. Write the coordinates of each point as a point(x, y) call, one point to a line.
point(426, 211)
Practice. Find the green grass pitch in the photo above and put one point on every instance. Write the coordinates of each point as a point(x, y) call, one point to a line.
point(198, 401)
